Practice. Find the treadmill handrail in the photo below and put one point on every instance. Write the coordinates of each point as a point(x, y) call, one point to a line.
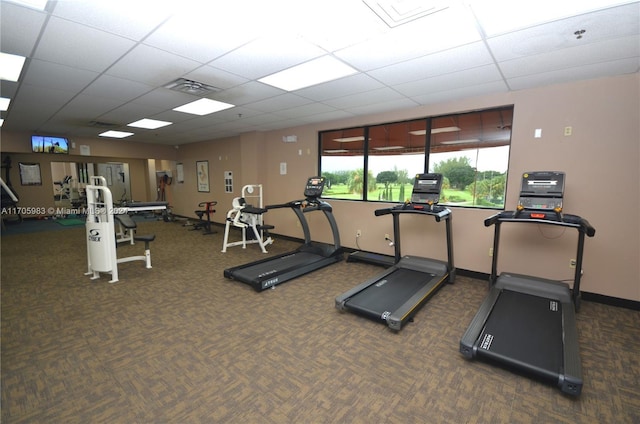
point(307, 205)
point(407, 208)
point(574, 221)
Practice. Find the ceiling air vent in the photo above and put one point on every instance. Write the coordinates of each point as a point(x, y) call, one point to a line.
point(397, 12)
point(101, 124)
point(191, 87)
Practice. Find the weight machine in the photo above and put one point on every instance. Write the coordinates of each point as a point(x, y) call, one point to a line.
point(246, 216)
point(101, 235)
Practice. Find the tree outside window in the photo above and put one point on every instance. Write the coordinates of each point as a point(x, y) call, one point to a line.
point(471, 150)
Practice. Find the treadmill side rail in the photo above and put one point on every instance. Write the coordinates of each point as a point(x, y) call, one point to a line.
point(396, 320)
point(468, 346)
point(570, 381)
point(341, 300)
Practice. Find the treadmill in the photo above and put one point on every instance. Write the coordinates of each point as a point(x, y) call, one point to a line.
point(267, 273)
point(528, 324)
point(395, 296)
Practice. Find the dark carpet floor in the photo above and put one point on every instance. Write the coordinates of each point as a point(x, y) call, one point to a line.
point(179, 343)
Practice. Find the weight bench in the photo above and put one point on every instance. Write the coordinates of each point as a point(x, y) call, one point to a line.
point(147, 238)
point(128, 228)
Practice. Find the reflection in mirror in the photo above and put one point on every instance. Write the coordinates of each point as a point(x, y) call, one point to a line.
point(69, 183)
point(70, 179)
point(117, 176)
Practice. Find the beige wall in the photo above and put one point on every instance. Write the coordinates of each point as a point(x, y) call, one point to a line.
point(601, 160)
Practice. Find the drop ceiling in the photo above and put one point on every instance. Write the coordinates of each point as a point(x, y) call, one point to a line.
point(93, 65)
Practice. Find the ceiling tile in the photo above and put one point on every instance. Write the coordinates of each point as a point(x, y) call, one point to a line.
point(304, 111)
point(84, 109)
point(598, 70)
point(193, 36)
point(346, 86)
point(385, 106)
point(129, 112)
point(152, 66)
point(333, 115)
point(48, 74)
point(215, 77)
point(79, 46)
point(586, 54)
point(451, 81)
point(163, 99)
point(273, 53)
point(443, 30)
point(130, 19)
point(362, 99)
point(117, 88)
point(283, 101)
point(498, 17)
point(248, 93)
point(452, 60)
point(19, 28)
point(452, 94)
point(599, 26)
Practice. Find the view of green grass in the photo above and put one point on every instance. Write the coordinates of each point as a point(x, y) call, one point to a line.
point(449, 196)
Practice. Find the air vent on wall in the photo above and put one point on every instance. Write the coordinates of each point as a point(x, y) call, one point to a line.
point(191, 87)
point(397, 12)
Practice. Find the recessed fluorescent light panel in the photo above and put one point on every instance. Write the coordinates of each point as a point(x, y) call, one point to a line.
point(4, 103)
point(116, 134)
point(149, 124)
point(316, 71)
point(468, 141)
point(382, 149)
point(203, 107)
point(34, 4)
point(10, 66)
point(349, 139)
point(435, 130)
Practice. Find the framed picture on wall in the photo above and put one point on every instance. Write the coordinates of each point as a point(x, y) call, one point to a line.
point(202, 173)
point(30, 174)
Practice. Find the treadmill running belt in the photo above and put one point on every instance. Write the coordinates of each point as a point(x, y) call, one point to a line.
point(276, 266)
point(526, 331)
point(389, 293)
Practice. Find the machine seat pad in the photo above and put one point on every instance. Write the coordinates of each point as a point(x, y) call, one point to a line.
point(145, 237)
point(126, 220)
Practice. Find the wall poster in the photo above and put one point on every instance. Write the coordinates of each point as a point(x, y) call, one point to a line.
point(202, 170)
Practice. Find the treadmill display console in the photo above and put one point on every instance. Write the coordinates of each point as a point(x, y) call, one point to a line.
point(314, 187)
point(426, 189)
point(542, 191)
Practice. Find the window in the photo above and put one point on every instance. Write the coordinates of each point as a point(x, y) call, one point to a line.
point(344, 165)
point(471, 150)
point(396, 155)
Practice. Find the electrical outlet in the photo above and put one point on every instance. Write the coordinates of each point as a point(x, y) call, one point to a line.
point(358, 233)
point(490, 251)
point(572, 263)
point(386, 237)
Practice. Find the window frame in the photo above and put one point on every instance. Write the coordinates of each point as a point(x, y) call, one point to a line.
point(429, 143)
